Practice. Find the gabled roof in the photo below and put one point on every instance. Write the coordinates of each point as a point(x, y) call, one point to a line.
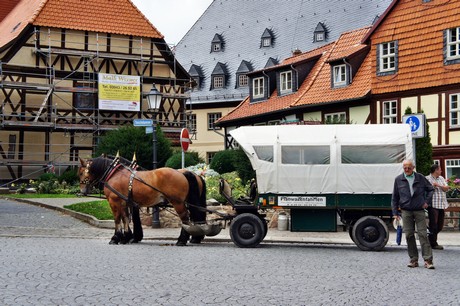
point(316, 88)
point(419, 28)
point(114, 16)
point(242, 23)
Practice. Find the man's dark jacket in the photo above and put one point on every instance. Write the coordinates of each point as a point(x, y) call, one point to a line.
point(423, 193)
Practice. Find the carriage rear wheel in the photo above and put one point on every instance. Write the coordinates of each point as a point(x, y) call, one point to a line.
point(247, 230)
point(370, 233)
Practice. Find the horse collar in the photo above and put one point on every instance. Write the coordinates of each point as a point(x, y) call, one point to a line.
point(112, 172)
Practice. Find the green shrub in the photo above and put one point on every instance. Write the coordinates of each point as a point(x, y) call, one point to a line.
point(190, 159)
point(243, 166)
point(46, 177)
point(238, 187)
point(69, 176)
point(223, 161)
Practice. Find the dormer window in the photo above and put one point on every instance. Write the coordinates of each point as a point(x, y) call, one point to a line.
point(267, 39)
point(320, 33)
point(286, 82)
point(219, 76)
point(271, 62)
point(241, 74)
point(339, 75)
point(196, 74)
point(217, 43)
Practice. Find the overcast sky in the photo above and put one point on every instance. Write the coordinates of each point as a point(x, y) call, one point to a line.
point(173, 18)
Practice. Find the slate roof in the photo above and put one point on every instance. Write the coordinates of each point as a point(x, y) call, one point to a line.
point(241, 24)
point(114, 16)
point(316, 88)
point(419, 29)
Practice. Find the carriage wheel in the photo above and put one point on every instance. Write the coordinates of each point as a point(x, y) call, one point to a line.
point(370, 233)
point(247, 230)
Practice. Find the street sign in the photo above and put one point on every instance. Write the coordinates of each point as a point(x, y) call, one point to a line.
point(142, 122)
point(416, 123)
point(148, 129)
point(184, 139)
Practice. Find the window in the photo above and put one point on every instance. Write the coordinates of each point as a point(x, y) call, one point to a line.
point(215, 47)
point(373, 154)
point(319, 36)
point(210, 156)
point(85, 100)
point(387, 57)
point(390, 112)
point(454, 110)
point(218, 82)
point(452, 167)
point(191, 124)
point(242, 80)
point(213, 117)
point(335, 118)
point(264, 153)
point(340, 75)
point(453, 44)
point(266, 42)
point(305, 155)
point(258, 88)
point(286, 81)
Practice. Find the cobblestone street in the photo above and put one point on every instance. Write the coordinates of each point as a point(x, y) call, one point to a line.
point(71, 263)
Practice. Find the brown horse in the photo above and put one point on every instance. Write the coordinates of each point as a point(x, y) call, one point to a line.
point(127, 190)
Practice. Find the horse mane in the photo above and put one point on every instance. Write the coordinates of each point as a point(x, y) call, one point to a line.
point(99, 166)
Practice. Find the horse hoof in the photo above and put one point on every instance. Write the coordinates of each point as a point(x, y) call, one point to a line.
point(131, 241)
point(181, 243)
point(195, 241)
point(113, 242)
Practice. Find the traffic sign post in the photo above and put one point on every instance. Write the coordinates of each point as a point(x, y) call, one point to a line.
point(417, 127)
point(184, 143)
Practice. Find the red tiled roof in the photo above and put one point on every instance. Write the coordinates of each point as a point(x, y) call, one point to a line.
point(419, 29)
point(6, 7)
point(114, 16)
point(316, 88)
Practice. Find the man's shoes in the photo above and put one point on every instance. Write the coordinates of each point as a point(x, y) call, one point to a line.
point(438, 247)
point(413, 264)
point(429, 264)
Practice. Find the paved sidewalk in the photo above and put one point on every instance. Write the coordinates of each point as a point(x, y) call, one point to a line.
point(446, 238)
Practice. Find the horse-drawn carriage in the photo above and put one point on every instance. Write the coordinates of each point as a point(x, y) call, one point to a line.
point(319, 172)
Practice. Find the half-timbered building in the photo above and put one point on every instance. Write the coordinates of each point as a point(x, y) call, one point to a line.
point(71, 70)
point(409, 58)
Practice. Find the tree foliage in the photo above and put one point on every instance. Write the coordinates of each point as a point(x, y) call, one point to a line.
point(233, 160)
point(128, 140)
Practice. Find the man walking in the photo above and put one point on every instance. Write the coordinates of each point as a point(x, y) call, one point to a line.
point(436, 210)
point(412, 193)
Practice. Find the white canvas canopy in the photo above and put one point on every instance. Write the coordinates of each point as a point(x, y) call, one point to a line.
point(324, 159)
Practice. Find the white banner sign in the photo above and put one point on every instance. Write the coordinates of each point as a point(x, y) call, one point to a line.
point(304, 201)
point(119, 92)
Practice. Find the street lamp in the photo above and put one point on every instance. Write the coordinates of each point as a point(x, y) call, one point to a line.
point(154, 101)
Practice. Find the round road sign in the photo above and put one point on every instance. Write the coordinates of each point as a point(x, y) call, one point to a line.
point(184, 139)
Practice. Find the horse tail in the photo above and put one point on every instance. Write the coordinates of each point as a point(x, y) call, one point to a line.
point(203, 193)
point(137, 225)
point(195, 198)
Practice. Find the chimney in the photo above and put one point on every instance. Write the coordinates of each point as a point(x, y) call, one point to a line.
point(296, 52)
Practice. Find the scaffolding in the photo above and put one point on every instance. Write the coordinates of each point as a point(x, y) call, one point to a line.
point(56, 90)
